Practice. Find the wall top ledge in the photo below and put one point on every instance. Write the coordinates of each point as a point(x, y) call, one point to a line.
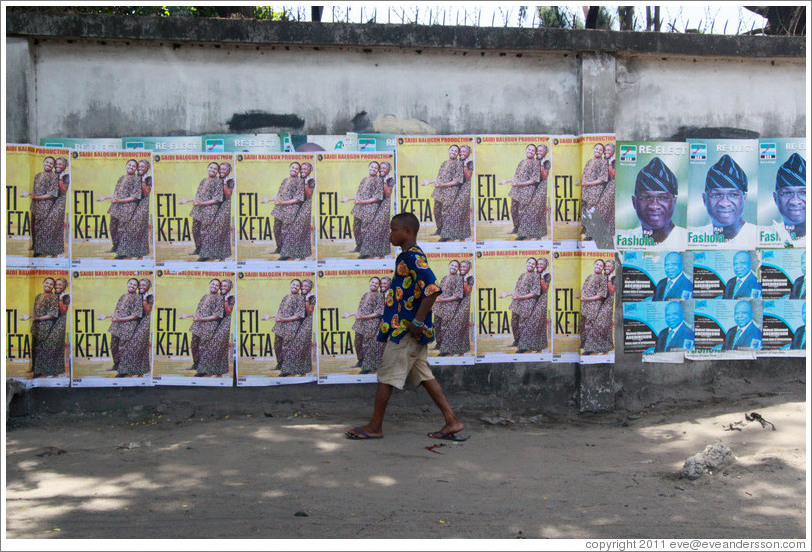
point(374, 35)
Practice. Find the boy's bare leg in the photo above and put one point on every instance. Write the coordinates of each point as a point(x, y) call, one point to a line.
point(375, 426)
point(452, 423)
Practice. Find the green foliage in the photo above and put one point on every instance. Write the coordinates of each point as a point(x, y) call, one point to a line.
point(559, 17)
point(256, 12)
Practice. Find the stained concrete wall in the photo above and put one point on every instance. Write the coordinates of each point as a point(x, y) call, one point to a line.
point(115, 76)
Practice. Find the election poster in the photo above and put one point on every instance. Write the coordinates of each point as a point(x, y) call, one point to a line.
point(82, 144)
point(722, 194)
point(565, 308)
point(597, 191)
point(661, 330)
point(194, 329)
point(452, 314)
point(726, 329)
point(783, 273)
point(354, 199)
point(657, 276)
point(350, 310)
point(651, 200)
point(112, 327)
point(512, 306)
point(376, 142)
point(241, 143)
point(37, 186)
point(784, 328)
point(597, 298)
point(163, 144)
point(727, 275)
point(193, 207)
point(317, 142)
point(37, 348)
point(565, 190)
point(112, 205)
point(274, 204)
point(275, 338)
point(511, 188)
point(782, 192)
point(434, 183)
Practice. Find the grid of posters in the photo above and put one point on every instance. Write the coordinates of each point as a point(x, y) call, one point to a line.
point(706, 228)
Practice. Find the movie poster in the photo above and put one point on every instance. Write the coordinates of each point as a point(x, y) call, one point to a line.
point(241, 143)
point(112, 327)
point(511, 188)
point(782, 192)
point(112, 201)
point(565, 190)
point(722, 194)
point(37, 186)
point(376, 142)
point(783, 273)
point(566, 306)
point(193, 207)
point(355, 205)
point(599, 280)
point(274, 207)
point(37, 348)
point(512, 307)
point(163, 144)
point(727, 275)
point(726, 329)
point(661, 330)
point(82, 144)
point(350, 310)
point(452, 314)
point(784, 328)
point(597, 191)
point(651, 200)
point(276, 341)
point(194, 328)
point(434, 183)
point(657, 276)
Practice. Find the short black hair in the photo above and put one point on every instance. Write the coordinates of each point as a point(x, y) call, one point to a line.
point(408, 220)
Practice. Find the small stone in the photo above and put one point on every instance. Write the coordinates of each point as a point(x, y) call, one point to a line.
point(301, 514)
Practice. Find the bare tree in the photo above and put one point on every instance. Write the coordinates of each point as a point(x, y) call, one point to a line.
point(781, 20)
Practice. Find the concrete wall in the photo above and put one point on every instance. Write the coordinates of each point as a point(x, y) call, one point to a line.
point(116, 76)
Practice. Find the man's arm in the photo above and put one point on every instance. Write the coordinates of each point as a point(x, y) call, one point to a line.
point(422, 312)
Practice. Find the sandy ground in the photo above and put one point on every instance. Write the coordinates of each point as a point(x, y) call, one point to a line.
point(293, 475)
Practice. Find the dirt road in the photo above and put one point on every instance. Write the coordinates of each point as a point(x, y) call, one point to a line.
point(152, 475)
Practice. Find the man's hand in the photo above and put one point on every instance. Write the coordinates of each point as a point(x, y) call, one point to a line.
point(415, 331)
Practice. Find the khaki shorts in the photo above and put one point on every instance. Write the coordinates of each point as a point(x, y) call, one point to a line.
point(406, 358)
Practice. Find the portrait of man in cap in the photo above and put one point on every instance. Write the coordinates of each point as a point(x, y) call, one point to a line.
point(799, 285)
point(724, 198)
point(676, 284)
point(654, 201)
point(745, 283)
point(790, 199)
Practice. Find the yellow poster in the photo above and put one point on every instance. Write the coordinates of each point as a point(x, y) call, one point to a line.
point(37, 186)
point(512, 287)
point(566, 189)
point(37, 315)
point(351, 304)
point(111, 327)
point(355, 198)
point(597, 191)
point(193, 207)
point(434, 182)
point(275, 325)
point(566, 305)
point(194, 338)
point(597, 296)
point(452, 313)
point(512, 192)
point(111, 205)
point(274, 206)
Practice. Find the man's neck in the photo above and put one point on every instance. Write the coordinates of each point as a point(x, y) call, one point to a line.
point(660, 234)
point(732, 230)
point(408, 245)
